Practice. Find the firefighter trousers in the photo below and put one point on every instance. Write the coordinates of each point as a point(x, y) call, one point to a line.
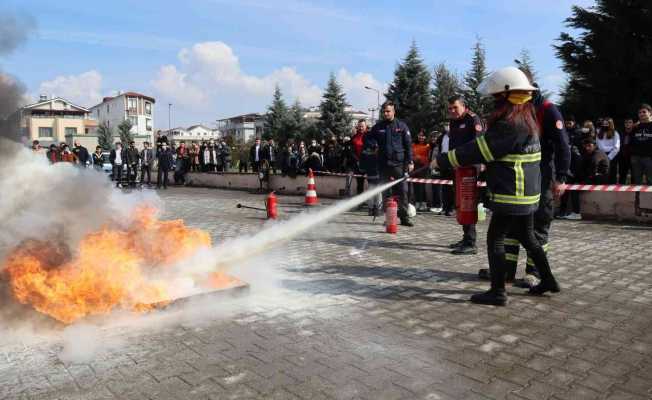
point(542, 220)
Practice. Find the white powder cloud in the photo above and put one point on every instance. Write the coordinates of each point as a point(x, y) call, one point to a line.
point(84, 89)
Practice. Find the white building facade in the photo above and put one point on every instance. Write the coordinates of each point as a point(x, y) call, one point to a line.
point(136, 107)
point(243, 128)
point(195, 133)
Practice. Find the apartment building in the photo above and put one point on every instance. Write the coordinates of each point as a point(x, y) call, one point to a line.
point(136, 107)
point(242, 128)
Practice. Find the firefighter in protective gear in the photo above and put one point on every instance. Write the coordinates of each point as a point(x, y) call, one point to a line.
point(555, 165)
point(512, 152)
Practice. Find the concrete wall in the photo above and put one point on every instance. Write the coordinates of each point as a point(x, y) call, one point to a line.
point(327, 186)
point(620, 206)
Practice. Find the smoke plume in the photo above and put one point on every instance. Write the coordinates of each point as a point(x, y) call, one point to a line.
point(14, 31)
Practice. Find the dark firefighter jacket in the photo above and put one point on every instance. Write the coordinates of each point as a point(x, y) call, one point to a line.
point(512, 156)
point(394, 143)
point(555, 148)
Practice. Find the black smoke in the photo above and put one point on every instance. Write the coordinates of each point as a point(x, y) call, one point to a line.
point(15, 29)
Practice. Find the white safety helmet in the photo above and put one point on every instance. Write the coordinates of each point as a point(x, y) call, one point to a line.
point(505, 80)
point(411, 210)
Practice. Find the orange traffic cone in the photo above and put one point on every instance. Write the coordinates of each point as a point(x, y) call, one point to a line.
point(311, 190)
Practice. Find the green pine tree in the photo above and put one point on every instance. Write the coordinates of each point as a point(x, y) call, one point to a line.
point(608, 59)
point(525, 64)
point(446, 85)
point(124, 129)
point(105, 136)
point(478, 72)
point(334, 118)
point(295, 124)
point(277, 116)
point(410, 91)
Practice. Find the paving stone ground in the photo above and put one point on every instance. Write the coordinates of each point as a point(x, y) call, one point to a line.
point(353, 313)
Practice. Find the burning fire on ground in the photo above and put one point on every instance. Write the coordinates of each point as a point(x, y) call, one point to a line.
point(111, 268)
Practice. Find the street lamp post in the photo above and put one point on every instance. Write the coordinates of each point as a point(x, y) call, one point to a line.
point(377, 96)
point(169, 119)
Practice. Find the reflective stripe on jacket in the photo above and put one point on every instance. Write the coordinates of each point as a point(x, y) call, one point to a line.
point(512, 156)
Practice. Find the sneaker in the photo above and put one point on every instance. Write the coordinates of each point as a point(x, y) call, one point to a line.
point(456, 244)
point(574, 217)
point(437, 210)
point(465, 249)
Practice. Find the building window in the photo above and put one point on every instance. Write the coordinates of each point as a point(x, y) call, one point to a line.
point(132, 104)
point(71, 131)
point(134, 121)
point(148, 108)
point(148, 124)
point(107, 109)
point(44, 132)
point(86, 131)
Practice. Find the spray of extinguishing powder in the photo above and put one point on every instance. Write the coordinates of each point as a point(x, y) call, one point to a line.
point(230, 253)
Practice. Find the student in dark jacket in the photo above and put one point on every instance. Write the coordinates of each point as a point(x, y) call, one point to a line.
point(256, 155)
point(82, 155)
point(164, 157)
point(132, 163)
point(369, 166)
point(512, 152)
point(98, 160)
point(595, 164)
point(147, 162)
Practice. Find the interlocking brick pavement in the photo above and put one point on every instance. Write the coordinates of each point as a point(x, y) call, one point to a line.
point(359, 314)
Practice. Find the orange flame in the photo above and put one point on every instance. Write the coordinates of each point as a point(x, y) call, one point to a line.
point(111, 268)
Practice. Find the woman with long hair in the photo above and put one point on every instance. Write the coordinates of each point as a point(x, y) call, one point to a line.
point(512, 152)
point(609, 143)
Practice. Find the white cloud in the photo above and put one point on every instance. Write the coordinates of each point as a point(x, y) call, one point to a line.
point(209, 78)
point(84, 89)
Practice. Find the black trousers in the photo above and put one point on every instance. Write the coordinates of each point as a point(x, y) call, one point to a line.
point(520, 227)
point(145, 169)
point(399, 190)
point(132, 171)
point(162, 177)
point(624, 168)
point(117, 174)
point(542, 220)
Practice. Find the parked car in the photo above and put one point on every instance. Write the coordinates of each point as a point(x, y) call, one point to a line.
point(106, 164)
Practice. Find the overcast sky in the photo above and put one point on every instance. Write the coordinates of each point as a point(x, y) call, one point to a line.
point(218, 58)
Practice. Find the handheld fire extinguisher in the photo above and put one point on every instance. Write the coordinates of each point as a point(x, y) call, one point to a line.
point(271, 206)
point(391, 215)
point(466, 195)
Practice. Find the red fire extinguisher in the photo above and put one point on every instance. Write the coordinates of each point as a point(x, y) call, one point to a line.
point(270, 205)
point(466, 195)
point(391, 215)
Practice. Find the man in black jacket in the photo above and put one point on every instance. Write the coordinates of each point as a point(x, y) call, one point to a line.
point(595, 164)
point(164, 157)
point(394, 155)
point(82, 154)
point(147, 161)
point(132, 163)
point(256, 155)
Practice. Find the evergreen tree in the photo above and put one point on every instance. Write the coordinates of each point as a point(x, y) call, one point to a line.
point(478, 72)
point(124, 129)
point(608, 61)
point(410, 91)
point(446, 85)
point(334, 118)
point(295, 123)
point(277, 116)
point(105, 136)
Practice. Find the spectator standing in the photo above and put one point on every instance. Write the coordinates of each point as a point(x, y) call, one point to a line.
point(641, 147)
point(435, 148)
point(465, 127)
point(36, 148)
point(98, 160)
point(369, 165)
point(53, 154)
point(595, 164)
point(181, 166)
point(394, 156)
point(315, 160)
point(303, 156)
point(83, 157)
point(146, 164)
point(208, 157)
point(588, 129)
point(256, 155)
point(117, 159)
point(132, 163)
point(290, 162)
point(420, 155)
point(576, 136)
point(193, 152)
point(225, 155)
point(243, 160)
point(164, 158)
point(608, 141)
point(67, 155)
point(357, 143)
point(625, 159)
point(332, 155)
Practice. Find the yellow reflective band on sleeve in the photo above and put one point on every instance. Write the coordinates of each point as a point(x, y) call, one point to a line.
point(520, 179)
point(517, 200)
point(452, 158)
point(512, 242)
point(484, 149)
point(529, 262)
point(546, 247)
point(526, 158)
point(511, 257)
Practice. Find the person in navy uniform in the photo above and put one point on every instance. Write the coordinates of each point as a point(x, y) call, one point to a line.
point(394, 155)
point(511, 150)
point(465, 126)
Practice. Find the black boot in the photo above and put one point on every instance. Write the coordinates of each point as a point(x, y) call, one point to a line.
point(496, 296)
point(548, 282)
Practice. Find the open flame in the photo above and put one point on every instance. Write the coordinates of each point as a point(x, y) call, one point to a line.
point(112, 267)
